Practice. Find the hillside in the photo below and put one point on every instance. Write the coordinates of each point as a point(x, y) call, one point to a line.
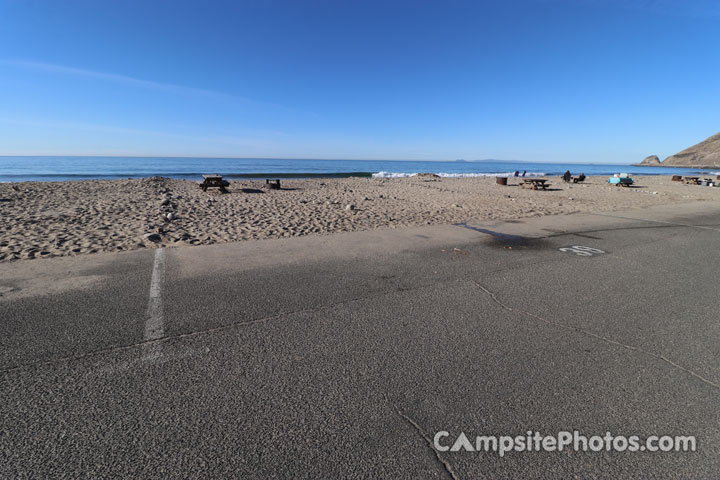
point(652, 161)
point(704, 154)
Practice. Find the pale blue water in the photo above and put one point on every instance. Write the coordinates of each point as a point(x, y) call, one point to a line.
point(17, 169)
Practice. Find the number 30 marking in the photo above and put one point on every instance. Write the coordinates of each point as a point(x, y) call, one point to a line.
point(582, 251)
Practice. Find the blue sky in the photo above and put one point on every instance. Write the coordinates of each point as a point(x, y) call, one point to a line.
point(537, 80)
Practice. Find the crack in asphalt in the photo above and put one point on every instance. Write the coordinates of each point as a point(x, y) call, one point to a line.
point(227, 326)
point(673, 224)
point(596, 336)
point(445, 464)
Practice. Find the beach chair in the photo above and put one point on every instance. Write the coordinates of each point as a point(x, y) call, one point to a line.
point(579, 179)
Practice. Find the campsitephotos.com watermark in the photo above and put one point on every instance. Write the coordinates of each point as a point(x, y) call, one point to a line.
point(575, 441)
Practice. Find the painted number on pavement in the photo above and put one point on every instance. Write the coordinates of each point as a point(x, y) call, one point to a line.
point(582, 251)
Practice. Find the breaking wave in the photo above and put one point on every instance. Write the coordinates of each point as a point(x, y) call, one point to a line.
point(454, 175)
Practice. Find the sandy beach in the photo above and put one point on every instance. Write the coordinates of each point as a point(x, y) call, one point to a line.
point(46, 219)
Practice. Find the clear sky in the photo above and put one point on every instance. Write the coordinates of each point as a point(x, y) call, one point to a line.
point(538, 80)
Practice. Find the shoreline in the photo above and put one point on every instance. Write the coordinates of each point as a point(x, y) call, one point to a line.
point(196, 176)
point(48, 219)
point(192, 168)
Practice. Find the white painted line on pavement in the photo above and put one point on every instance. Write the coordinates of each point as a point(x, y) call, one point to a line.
point(154, 327)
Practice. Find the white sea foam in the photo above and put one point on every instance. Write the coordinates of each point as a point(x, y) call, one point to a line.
point(454, 175)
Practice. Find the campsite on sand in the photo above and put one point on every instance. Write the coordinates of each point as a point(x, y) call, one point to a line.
point(46, 219)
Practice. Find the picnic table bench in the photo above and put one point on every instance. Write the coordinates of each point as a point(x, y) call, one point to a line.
point(535, 183)
point(214, 181)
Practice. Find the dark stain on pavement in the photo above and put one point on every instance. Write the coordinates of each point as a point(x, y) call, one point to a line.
point(507, 241)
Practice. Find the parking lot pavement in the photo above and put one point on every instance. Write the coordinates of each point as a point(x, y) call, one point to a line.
point(344, 355)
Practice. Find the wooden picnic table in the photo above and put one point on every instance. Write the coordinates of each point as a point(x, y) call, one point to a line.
point(535, 183)
point(214, 181)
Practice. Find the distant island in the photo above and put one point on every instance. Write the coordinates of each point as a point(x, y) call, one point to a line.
point(705, 154)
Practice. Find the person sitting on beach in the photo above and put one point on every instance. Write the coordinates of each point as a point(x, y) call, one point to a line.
point(517, 173)
point(567, 176)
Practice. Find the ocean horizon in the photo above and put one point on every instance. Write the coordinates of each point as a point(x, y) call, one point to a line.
point(63, 168)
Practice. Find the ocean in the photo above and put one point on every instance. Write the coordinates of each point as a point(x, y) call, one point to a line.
point(19, 169)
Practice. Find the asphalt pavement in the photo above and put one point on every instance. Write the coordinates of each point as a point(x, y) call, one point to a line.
point(342, 356)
